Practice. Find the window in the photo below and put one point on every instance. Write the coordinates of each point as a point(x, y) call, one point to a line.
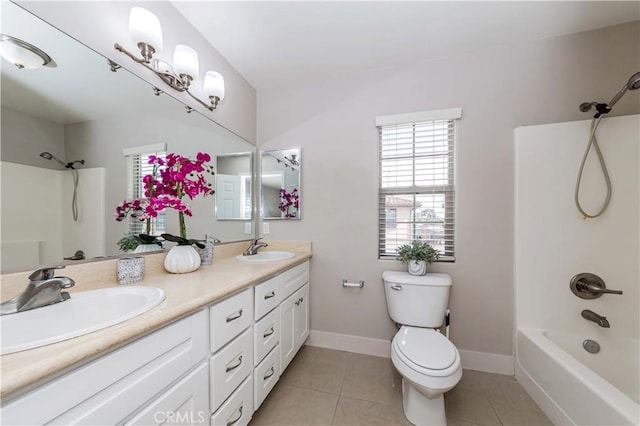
point(137, 167)
point(416, 164)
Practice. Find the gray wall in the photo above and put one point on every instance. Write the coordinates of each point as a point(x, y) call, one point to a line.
point(100, 24)
point(24, 137)
point(498, 90)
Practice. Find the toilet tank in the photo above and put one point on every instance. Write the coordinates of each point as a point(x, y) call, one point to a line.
point(418, 301)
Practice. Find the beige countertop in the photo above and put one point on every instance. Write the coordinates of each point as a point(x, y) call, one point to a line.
point(185, 294)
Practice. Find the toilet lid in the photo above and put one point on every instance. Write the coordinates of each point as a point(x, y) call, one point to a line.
point(425, 347)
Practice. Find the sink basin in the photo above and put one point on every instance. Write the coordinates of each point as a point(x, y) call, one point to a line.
point(85, 312)
point(266, 256)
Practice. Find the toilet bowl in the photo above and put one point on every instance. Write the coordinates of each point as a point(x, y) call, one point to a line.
point(430, 366)
point(427, 361)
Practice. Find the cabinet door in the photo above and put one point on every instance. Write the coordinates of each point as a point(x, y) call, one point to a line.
point(302, 316)
point(186, 403)
point(287, 331)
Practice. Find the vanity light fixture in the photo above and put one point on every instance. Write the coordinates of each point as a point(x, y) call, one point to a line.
point(145, 30)
point(23, 54)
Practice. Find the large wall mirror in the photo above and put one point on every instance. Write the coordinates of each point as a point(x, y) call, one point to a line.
point(80, 110)
point(280, 184)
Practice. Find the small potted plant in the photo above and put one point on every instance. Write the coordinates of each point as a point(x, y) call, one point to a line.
point(417, 255)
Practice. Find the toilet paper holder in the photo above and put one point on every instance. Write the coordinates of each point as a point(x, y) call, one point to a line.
point(359, 284)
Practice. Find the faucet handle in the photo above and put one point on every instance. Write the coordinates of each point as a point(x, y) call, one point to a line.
point(44, 273)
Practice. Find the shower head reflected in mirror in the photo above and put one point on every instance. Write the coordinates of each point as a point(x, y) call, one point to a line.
point(69, 165)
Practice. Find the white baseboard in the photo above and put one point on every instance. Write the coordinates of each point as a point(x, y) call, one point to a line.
point(349, 343)
point(487, 362)
point(480, 361)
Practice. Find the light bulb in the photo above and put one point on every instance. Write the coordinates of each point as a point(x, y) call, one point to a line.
point(214, 84)
point(185, 61)
point(144, 27)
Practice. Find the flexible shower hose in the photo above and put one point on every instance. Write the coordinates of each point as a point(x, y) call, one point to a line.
point(74, 202)
point(593, 142)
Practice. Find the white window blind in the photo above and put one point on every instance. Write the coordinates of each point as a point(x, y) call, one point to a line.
point(137, 167)
point(417, 181)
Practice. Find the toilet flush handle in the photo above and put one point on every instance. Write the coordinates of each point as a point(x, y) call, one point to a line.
point(396, 287)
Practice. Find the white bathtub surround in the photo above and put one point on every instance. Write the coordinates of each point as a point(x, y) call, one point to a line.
point(553, 243)
point(45, 193)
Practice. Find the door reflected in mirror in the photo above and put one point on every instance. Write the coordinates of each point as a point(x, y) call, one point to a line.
point(280, 184)
point(234, 186)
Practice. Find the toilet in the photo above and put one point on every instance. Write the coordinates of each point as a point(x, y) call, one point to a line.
point(427, 361)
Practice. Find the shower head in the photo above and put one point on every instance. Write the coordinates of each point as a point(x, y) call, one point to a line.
point(632, 84)
point(50, 156)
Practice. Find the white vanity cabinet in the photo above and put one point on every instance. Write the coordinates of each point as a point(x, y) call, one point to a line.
point(215, 366)
point(113, 388)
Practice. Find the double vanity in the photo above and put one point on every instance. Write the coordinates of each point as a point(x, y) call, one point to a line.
point(209, 353)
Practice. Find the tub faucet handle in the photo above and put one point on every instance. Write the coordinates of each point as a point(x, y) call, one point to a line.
point(589, 286)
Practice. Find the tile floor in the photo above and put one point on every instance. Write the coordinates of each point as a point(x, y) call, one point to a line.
point(327, 387)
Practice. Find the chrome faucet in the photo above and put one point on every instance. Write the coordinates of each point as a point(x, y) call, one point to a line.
point(598, 319)
point(253, 247)
point(43, 289)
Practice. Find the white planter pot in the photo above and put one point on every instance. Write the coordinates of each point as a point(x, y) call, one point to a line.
point(145, 248)
point(182, 259)
point(417, 267)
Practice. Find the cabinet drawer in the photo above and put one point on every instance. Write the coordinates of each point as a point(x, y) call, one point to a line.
point(185, 403)
point(265, 376)
point(238, 409)
point(268, 296)
point(266, 335)
point(293, 279)
point(229, 318)
point(229, 367)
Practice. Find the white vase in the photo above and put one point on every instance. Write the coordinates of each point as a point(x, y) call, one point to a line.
point(145, 248)
point(417, 267)
point(182, 259)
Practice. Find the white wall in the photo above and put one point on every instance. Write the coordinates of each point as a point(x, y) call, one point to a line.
point(554, 242)
point(498, 90)
point(101, 24)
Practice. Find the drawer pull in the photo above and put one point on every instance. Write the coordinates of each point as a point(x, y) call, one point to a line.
point(234, 316)
point(269, 332)
point(270, 295)
point(270, 374)
point(233, 367)
point(298, 302)
point(237, 419)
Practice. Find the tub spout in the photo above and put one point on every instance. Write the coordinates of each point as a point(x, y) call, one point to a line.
point(598, 319)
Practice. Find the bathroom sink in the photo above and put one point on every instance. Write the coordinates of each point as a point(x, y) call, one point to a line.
point(266, 256)
point(83, 313)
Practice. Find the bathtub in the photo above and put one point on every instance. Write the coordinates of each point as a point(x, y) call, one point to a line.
point(575, 387)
